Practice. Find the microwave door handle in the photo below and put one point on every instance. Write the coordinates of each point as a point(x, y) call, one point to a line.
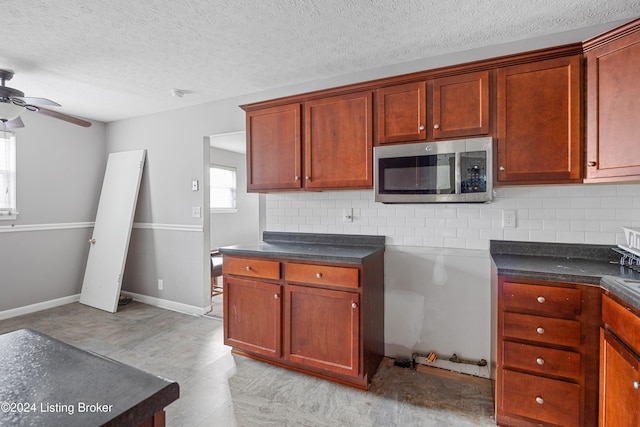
point(458, 174)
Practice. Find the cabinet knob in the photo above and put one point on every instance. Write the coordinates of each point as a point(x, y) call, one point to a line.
point(421, 127)
point(541, 299)
point(540, 330)
point(591, 164)
point(307, 178)
point(540, 361)
point(297, 178)
point(319, 275)
point(354, 305)
point(539, 400)
point(276, 296)
point(436, 126)
point(248, 268)
point(636, 385)
point(501, 168)
point(92, 241)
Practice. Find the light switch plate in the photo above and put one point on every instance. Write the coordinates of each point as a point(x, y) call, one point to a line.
point(195, 185)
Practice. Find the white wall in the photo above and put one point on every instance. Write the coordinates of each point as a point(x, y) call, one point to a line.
point(242, 226)
point(60, 168)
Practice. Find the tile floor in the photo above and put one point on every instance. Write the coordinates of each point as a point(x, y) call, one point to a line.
point(221, 389)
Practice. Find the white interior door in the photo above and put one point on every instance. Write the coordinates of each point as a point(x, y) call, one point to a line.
point(112, 230)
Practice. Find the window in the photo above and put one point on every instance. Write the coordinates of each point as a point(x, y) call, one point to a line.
point(7, 175)
point(222, 187)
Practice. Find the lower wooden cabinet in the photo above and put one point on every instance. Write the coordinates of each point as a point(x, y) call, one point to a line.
point(620, 384)
point(547, 354)
point(619, 365)
point(315, 321)
point(323, 319)
point(253, 313)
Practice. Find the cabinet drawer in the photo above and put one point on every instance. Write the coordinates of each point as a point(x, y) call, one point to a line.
point(624, 323)
point(250, 267)
point(345, 277)
point(552, 401)
point(542, 329)
point(540, 359)
point(543, 299)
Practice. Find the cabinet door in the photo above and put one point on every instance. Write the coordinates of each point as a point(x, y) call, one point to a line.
point(402, 113)
point(461, 105)
point(339, 142)
point(539, 122)
point(274, 148)
point(619, 384)
point(322, 328)
point(252, 316)
point(613, 102)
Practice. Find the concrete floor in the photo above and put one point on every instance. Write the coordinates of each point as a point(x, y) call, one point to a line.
point(221, 389)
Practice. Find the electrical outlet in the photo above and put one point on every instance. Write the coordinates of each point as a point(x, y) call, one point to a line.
point(195, 212)
point(160, 284)
point(509, 219)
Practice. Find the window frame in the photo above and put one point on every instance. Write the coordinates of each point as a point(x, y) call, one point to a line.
point(8, 146)
point(234, 189)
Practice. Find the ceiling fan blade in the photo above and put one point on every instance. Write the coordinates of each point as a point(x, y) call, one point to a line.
point(65, 117)
point(37, 101)
point(15, 123)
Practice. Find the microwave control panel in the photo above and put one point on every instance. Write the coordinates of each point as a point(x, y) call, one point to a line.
point(474, 173)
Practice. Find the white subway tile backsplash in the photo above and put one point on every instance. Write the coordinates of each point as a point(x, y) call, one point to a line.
point(554, 213)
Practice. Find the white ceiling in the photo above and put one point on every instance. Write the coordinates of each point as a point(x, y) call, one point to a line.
point(112, 59)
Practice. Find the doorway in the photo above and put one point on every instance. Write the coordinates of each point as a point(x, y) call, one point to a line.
point(234, 214)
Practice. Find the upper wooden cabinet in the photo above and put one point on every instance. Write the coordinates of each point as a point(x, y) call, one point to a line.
point(460, 105)
point(339, 142)
point(402, 113)
point(274, 159)
point(613, 103)
point(539, 126)
point(446, 107)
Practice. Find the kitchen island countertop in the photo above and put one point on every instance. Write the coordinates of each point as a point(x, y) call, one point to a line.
point(46, 382)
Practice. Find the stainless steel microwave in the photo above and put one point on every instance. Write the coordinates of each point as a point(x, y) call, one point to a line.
point(457, 171)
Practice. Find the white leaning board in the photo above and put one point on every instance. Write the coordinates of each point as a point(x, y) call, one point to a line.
point(112, 231)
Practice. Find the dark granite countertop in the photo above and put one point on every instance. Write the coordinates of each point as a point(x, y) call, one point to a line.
point(333, 248)
point(45, 382)
point(573, 263)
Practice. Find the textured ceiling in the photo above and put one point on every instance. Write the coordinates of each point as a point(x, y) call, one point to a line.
point(112, 59)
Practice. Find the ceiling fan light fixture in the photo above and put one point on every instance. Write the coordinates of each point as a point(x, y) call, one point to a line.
point(9, 111)
point(178, 93)
point(32, 107)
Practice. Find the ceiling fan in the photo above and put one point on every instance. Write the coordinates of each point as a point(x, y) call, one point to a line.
point(13, 103)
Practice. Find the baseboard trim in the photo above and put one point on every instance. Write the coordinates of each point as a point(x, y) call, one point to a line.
point(167, 304)
point(32, 308)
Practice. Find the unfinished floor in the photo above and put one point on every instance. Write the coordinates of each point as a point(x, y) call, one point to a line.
point(218, 388)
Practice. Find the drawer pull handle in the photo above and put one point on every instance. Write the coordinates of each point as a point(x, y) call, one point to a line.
point(539, 400)
point(276, 296)
point(248, 268)
point(636, 385)
point(319, 275)
point(354, 305)
point(540, 361)
point(541, 299)
point(540, 330)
